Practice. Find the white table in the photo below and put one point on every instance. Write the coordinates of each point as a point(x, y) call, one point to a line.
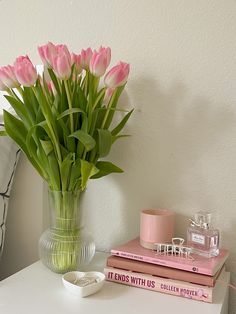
point(36, 290)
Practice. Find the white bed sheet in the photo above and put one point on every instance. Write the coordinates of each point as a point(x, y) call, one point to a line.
point(9, 153)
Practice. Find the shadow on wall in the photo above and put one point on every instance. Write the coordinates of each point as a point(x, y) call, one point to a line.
point(181, 156)
point(174, 159)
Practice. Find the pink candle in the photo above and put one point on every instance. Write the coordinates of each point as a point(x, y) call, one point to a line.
point(156, 226)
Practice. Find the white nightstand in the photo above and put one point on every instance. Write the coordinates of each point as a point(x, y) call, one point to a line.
point(36, 290)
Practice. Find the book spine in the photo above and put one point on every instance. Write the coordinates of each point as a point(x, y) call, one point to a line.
point(162, 262)
point(161, 271)
point(168, 286)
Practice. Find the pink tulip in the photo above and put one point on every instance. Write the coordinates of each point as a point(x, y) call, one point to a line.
point(8, 78)
point(86, 56)
point(107, 53)
point(25, 72)
point(118, 75)
point(76, 60)
point(61, 62)
point(109, 92)
point(47, 52)
point(100, 61)
point(2, 86)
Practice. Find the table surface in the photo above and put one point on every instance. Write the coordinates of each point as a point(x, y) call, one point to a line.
point(37, 290)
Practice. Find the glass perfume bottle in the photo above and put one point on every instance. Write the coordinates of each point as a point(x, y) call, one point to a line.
point(201, 237)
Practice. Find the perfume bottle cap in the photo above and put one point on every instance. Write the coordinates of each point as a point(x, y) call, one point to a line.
point(202, 219)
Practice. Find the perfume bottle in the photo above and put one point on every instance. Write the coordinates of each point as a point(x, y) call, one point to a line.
point(201, 237)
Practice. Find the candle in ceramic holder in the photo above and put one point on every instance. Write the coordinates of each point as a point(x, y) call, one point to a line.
point(156, 226)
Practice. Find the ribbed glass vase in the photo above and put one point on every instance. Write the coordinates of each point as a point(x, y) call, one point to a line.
point(65, 246)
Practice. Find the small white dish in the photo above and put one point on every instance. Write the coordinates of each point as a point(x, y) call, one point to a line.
point(83, 284)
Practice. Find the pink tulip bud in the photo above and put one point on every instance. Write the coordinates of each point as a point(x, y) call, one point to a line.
point(100, 61)
point(107, 53)
point(2, 86)
point(109, 92)
point(47, 52)
point(8, 78)
point(118, 75)
point(61, 62)
point(86, 55)
point(76, 60)
point(25, 72)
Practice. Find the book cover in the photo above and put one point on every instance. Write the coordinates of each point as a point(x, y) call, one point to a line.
point(163, 285)
point(198, 264)
point(161, 271)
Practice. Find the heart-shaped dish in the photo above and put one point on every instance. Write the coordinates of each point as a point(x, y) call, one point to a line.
point(83, 284)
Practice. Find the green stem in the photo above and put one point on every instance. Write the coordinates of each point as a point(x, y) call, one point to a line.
point(55, 142)
point(98, 99)
point(108, 110)
point(65, 230)
point(70, 106)
point(86, 83)
point(19, 90)
point(84, 154)
point(12, 93)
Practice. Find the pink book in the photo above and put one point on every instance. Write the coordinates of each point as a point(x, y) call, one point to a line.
point(198, 264)
point(163, 285)
point(161, 271)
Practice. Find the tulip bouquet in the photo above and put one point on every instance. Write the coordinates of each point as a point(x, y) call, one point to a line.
point(63, 121)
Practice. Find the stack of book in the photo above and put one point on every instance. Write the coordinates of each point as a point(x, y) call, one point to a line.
point(193, 278)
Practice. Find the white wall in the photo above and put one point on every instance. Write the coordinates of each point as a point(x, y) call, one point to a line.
point(183, 86)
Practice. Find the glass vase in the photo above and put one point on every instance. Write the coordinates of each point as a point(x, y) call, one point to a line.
point(65, 246)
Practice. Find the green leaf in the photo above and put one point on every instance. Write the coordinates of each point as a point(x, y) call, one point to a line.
point(99, 98)
point(64, 151)
point(17, 131)
point(45, 106)
point(105, 168)
point(20, 110)
point(82, 102)
point(86, 139)
point(75, 174)
point(120, 126)
point(84, 126)
point(39, 116)
point(26, 95)
point(63, 103)
point(115, 138)
point(32, 101)
point(94, 121)
point(32, 133)
point(51, 126)
point(112, 105)
point(3, 133)
point(104, 142)
point(100, 117)
point(68, 112)
point(47, 146)
point(87, 171)
point(54, 80)
point(47, 92)
point(36, 150)
point(55, 172)
point(65, 171)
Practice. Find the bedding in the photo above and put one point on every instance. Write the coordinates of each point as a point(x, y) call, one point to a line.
point(9, 154)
